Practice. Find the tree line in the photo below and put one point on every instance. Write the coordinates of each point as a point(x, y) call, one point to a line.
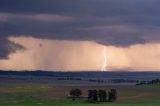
point(96, 95)
point(155, 81)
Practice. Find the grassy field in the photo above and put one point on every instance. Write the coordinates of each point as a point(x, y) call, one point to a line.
point(128, 95)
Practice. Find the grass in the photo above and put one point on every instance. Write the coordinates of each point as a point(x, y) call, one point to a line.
point(57, 96)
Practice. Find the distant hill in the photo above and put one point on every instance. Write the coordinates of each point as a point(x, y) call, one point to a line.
point(74, 78)
point(89, 74)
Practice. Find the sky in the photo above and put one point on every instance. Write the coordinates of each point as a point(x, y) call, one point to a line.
point(80, 35)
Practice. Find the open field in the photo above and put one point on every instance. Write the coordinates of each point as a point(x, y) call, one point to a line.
point(128, 95)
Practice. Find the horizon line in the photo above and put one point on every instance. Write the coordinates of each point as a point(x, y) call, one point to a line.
point(77, 71)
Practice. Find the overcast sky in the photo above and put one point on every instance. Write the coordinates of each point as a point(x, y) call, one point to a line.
point(74, 33)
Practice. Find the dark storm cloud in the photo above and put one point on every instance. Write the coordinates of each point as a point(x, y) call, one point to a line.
point(81, 7)
point(110, 22)
point(7, 47)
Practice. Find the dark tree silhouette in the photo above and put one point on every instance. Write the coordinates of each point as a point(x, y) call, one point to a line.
point(95, 97)
point(112, 95)
point(92, 96)
point(102, 95)
point(75, 93)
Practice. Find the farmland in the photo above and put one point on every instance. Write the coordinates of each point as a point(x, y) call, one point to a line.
point(128, 95)
point(52, 88)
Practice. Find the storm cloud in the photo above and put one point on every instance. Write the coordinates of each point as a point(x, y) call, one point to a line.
point(7, 47)
point(108, 22)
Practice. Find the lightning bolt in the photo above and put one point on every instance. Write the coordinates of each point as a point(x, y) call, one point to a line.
point(104, 60)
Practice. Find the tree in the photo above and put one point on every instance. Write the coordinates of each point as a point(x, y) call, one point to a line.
point(75, 93)
point(92, 96)
point(95, 97)
point(102, 95)
point(112, 95)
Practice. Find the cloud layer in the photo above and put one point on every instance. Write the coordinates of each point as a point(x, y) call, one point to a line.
point(108, 22)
